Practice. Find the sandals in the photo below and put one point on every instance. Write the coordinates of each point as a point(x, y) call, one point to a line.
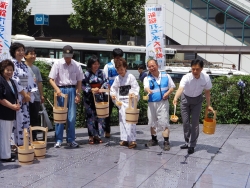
point(91, 141)
point(97, 140)
point(132, 145)
point(123, 143)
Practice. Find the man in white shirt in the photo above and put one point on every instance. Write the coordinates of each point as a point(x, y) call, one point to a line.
point(159, 85)
point(190, 90)
point(66, 77)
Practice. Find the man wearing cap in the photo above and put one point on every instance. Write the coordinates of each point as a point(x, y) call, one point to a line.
point(66, 77)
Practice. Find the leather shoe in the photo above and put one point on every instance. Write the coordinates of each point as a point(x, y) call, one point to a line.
point(184, 146)
point(190, 150)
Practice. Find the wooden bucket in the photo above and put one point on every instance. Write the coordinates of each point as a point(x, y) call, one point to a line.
point(102, 108)
point(60, 113)
point(25, 152)
point(132, 113)
point(209, 124)
point(39, 146)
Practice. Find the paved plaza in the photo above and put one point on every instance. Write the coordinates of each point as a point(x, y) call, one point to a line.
point(220, 160)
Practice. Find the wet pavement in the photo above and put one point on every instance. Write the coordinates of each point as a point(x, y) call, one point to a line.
point(220, 160)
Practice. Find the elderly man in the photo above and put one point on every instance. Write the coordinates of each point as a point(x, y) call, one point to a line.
point(159, 85)
point(66, 77)
point(190, 89)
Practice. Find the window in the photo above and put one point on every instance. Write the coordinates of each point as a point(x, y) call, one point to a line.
point(216, 17)
point(134, 60)
point(184, 3)
point(234, 28)
point(199, 8)
point(247, 35)
point(41, 52)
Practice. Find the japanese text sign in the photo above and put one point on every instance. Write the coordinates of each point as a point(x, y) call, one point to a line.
point(5, 28)
point(155, 34)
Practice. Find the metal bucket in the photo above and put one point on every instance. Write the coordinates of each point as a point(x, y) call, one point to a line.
point(209, 124)
point(60, 113)
point(132, 113)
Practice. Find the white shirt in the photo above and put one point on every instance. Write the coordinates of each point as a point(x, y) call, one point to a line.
point(65, 74)
point(158, 81)
point(106, 69)
point(194, 87)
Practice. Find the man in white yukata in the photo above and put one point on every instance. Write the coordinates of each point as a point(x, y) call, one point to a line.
point(159, 85)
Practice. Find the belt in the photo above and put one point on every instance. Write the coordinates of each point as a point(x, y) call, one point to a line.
point(68, 86)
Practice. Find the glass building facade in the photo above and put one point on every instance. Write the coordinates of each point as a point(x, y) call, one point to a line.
point(223, 15)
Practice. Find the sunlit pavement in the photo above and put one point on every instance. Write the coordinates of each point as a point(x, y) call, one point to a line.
point(220, 160)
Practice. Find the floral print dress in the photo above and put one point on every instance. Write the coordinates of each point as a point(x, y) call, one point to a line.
point(95, 125)
point(26, 82)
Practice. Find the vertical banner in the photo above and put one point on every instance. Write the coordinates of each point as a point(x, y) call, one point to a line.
point(155, 25)
point(5, 28)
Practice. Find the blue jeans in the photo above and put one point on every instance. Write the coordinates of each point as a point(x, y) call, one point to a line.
point(71, 119)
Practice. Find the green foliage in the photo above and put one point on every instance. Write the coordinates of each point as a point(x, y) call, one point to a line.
point(143, 106)
point(20, 16)
point(225, 100)
point(47, 89)
point(102, 17)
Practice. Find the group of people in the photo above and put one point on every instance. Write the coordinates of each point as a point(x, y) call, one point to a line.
point(21, 95)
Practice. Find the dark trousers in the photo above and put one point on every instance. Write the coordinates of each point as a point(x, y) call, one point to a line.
point(34, 116)
point(191, 109)
point(107, 119)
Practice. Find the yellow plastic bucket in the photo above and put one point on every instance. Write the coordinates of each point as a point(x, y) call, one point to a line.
point(209, 124)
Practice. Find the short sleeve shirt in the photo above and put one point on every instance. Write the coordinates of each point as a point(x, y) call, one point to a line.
point(65, 74)
point(194, 87)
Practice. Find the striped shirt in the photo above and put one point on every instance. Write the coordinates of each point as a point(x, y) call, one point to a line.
point(65, 74)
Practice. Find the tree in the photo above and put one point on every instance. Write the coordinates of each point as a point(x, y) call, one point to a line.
point(20, 16)
point(102, 17)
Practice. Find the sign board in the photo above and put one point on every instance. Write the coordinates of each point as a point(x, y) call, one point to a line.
point(155, 25)
point(41, 19)
point(5, 31)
